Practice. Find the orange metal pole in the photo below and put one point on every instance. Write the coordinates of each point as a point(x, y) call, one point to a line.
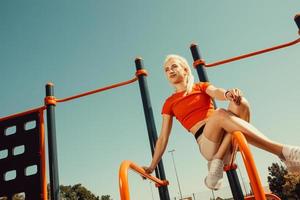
point(253, 53)
point(257, 187)
point(96, 91)
point(123, 178)
point(138, 73)
point(44, 195)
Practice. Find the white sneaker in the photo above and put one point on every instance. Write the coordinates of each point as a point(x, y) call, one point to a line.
point(215, 174)
point(292, 158)
point(292, 166)
point(291, 153)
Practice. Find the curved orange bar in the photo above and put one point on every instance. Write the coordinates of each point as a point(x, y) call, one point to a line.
point(253, 53)
point(257, 187)
point(270, 196)
point(123, 178)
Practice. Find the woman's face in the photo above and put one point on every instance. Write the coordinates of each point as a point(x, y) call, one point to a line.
point(175, 71)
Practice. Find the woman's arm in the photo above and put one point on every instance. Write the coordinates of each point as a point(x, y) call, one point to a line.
point(217, 93)
point(221, 94)
point(161, 142)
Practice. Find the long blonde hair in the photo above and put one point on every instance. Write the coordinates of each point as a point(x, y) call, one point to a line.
point(183, 62)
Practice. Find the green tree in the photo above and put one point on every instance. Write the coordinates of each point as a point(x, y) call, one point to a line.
point(276, 179)
point(105, 197)
point(292, 185)
point(76, 192)
point(284, 184)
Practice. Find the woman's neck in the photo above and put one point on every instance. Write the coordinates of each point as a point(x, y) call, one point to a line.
point(180, 87)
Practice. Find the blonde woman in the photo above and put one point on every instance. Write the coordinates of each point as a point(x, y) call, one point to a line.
point(192, 106)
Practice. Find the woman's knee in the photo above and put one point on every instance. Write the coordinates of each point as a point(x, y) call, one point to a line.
point(220, 113)
point(245, 104)
point(242, 110)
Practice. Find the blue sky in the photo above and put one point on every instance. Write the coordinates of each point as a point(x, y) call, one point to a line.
point(84, 45)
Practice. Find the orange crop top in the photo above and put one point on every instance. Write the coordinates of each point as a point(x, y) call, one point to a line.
point(191, 108)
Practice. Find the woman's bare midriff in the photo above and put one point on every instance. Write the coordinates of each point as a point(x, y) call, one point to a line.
point(196, 127)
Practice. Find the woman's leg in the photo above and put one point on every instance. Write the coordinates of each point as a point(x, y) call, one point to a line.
point(235, 119)
point(222, 154)
point(225, 120)
point(242, 111)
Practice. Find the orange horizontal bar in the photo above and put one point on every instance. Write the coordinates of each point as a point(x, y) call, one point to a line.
point(247, 156)
point(137, 74)
point(123, 178)
point(253, 53)
point(97, 90)
point(23, 113)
